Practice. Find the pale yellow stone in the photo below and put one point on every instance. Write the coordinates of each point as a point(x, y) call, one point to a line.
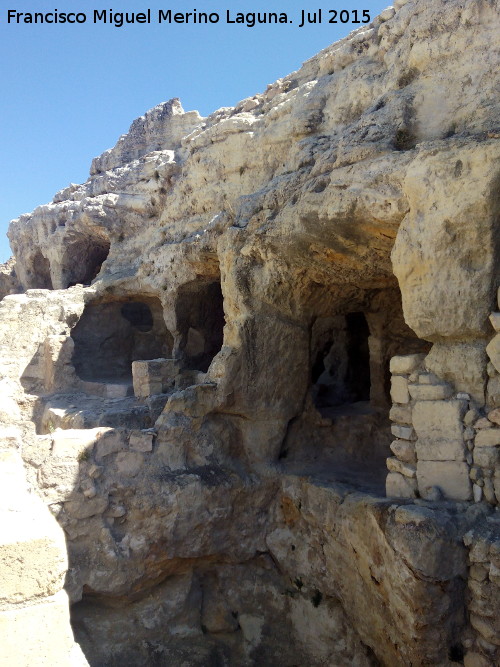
point(452, 477)
point(399, 486)
point(439, 430)
point(399, 389)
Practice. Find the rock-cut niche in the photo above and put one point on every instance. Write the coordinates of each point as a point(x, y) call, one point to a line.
point(200, 321)
point(111, 335)
point(341, 368)
point(83, 259)
point(40, 273)
point(349, 381)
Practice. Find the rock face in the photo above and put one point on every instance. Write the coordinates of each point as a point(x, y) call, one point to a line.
point(255, 371)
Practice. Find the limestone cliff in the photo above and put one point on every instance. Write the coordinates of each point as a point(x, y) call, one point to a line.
point(255, 373)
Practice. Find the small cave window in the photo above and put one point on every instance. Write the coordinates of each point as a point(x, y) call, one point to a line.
point(200, 319)
point(139, 315)
point(83, 260)
point(41, 272)
point(111, 335)
point(341, 361)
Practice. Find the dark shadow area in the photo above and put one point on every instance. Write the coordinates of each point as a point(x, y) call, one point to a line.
point(111, 335)
point(341, 370)
point(83, 259)
point(200, 320)
point(40, 278)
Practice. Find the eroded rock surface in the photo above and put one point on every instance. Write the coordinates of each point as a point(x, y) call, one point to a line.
point(255, 371)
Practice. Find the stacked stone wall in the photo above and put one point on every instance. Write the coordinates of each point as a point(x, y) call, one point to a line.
point(447, 441)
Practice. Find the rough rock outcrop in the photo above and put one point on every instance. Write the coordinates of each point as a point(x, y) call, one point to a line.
point(9, 284)
point(255, 371)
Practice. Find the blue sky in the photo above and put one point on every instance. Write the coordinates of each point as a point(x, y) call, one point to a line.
point(69, 91)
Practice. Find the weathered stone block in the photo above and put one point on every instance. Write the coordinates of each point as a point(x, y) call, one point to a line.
point(154, 376)
point(140, 369)
point(452, 477)
point(460, 364)
point(152, 387)
point(439, 430)
point(403, 365)
point(428, 378)
point(74, 443)
point(488, 437)
point(403, 432)
point(401, 414)
point(483, 422)
point(395, 465)
point(404, 450)
point(430, 392)
point(399, 389)
point(399, 486)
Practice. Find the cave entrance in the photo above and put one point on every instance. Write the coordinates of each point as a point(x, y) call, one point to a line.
point(341, 367)
point(111, 335)
point(83, 259)
point(41, 278)
point(344, 431)
point(200, 321)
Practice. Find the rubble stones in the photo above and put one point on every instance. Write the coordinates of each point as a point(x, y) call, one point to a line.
point(488, 437)
point(404, 365)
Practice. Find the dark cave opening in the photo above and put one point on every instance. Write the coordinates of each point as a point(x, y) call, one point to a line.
point(83, 260)
point(139, 315)
point(344, 430)
point(41, 277)
point(341, 369)
point(111, 335)
point(200, 320)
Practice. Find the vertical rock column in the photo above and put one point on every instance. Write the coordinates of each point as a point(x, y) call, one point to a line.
point(34, 611)
point(401, 480)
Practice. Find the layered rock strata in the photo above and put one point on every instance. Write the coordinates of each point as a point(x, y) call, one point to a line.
point(254, 375)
